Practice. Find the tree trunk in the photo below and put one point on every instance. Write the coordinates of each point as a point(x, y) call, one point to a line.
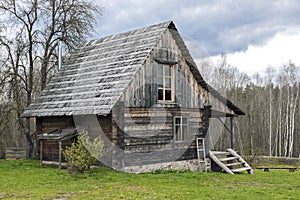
point(270, 120)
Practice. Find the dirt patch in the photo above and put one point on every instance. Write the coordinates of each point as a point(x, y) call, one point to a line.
point(64, 196)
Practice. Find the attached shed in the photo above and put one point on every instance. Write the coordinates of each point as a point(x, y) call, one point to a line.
point(60, 139)
point(141, 91)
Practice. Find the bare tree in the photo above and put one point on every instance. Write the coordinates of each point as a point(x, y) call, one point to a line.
point(70, 22)
point(39, 25)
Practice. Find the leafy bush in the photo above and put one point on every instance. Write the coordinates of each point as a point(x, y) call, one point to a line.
point(83, 153)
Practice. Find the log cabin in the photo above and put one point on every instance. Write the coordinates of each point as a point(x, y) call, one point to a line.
point(141, 91)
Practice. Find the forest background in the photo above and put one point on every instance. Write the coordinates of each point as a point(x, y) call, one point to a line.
point(30, 34)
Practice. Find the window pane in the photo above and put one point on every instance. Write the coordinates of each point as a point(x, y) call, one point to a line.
point(167, 70)
point(184, 120)
point(168, 83)
point(160, 70)
point(184, 132)
point(177, 133)
point(160, 82)
point(177, 121)
point(160, 94)
point(168, 95)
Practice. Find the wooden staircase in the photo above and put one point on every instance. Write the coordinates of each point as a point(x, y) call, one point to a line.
point(229, 161)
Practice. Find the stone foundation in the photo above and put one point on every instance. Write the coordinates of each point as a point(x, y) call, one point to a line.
point(192, 165)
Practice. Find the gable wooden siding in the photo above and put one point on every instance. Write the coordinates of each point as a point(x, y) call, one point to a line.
point(142, 91)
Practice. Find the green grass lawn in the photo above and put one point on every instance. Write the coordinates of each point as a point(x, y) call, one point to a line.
point(25, 179)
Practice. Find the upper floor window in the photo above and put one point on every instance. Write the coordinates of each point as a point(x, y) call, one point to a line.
point(165, 82)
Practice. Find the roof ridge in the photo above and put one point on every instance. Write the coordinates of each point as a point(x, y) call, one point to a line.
point(165, 24)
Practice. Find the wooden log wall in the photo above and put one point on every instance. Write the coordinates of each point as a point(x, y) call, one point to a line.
point(148, 123)
point(151, 131)
point(48, 124)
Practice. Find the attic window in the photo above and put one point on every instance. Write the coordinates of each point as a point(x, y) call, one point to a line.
point(165, 82)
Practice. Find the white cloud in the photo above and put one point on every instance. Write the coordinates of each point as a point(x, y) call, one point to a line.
point(220, 26)
point(282, 48)
point(256, 30)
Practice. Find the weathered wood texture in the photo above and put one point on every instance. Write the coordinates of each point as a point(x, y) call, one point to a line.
point(48, 124)
point(219, 107)
point(51, 150)
point(111, 85)
point(15, 152)
point(96, 75)
point(142, 91)
point(149, 132)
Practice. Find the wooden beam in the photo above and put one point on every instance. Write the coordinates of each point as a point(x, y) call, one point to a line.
point(59, 154)
point(41, 152)
point(231, 133)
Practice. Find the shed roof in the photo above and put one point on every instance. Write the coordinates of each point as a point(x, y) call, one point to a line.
point(57, 134)
point(95, 76)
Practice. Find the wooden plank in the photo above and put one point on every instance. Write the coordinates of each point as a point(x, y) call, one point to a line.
point(15, 153)
point(233, 164)
point(54, 163)
point(225, 153)
point(15, 149)
point(41, 152)
point(59, 154)
point(241, 169)
point(148, 74)
point(228, 159)
point(15, 156)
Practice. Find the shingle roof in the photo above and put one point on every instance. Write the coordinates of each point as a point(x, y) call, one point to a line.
point(96, 75)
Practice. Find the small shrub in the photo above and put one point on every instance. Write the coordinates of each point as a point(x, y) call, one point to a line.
point(83, 153)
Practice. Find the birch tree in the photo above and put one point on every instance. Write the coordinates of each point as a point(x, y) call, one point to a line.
point(270, 73)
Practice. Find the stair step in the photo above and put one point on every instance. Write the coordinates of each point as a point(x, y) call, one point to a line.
point(234, 164)
point(241, 169)
point(217, 153)
point(228, 159)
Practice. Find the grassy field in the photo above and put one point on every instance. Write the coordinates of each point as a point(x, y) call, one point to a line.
point(25, 179)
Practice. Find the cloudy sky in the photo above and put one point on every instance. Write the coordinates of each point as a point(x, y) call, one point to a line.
point(253, 33)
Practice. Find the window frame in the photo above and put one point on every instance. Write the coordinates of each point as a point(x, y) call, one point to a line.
point(183, 136)
point(164, 77)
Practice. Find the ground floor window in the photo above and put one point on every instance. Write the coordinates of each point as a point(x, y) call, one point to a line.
point(180, 128)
